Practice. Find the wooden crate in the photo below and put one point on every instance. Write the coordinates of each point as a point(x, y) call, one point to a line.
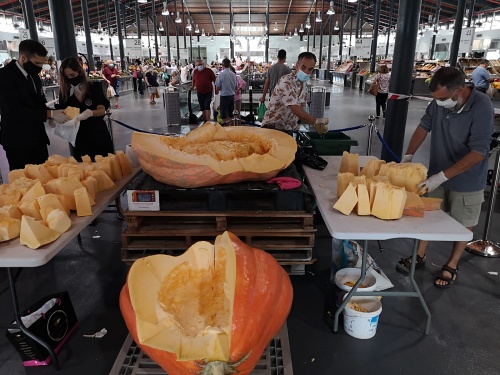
point(287, 235)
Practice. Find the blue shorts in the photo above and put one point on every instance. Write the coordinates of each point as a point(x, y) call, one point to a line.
point(205, 100)
point(226, 107)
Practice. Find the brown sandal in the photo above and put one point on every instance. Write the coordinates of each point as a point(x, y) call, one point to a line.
point(404, 265)
point(449, 280)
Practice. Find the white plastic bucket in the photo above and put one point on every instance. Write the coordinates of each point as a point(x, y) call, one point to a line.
point(352, 275)
point(362, 325)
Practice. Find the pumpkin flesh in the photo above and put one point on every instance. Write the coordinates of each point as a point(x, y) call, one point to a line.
point(191, 315)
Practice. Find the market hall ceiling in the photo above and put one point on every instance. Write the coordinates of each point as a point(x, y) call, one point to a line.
point(285, 15)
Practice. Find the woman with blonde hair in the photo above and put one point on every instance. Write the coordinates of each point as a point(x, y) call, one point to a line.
point(382, 80)
point(76, 90)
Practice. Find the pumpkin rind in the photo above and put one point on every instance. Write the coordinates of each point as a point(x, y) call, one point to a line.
point(262, 300)
point(164, 159)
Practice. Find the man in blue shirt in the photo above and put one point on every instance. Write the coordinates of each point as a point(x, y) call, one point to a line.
point(481, 76)
point(225, 85)
point(460, 120)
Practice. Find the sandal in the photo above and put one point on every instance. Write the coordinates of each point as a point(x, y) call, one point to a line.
point(449, 280)
point(404, 265)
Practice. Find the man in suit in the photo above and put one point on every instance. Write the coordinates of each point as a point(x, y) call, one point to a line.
point(22, 103)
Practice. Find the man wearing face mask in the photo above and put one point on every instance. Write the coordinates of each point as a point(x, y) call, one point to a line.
point(23, 107)
point(460, 120)
point(288, 102)
point(203, 80)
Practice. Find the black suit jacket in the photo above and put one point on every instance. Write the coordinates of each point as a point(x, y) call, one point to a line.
point(23, 110)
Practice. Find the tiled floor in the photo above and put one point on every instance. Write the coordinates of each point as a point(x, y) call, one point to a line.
point(464, 336)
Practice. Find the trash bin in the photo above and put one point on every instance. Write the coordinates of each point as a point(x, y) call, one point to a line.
point(331, 143)
point(318, 98)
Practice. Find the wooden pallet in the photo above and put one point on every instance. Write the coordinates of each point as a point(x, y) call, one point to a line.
point(287, 235)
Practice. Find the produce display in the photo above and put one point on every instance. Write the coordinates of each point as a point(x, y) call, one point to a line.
point(212, 154)
point(384, 190)
point(211, 310)
point(37, 203)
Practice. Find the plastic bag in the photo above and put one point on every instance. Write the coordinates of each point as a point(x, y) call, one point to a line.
point(261, 111)
point(110, 92)
point(349, 254)
point(68, 130)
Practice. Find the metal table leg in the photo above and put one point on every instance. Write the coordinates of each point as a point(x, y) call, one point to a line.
point(415, 286)
point(19, 324)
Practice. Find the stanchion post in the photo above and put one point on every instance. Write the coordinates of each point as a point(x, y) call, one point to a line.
point(371, 126)
point(484, 247)
point(110, 127)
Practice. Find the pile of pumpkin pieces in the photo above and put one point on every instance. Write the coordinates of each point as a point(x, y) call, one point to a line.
point(384, 190)
point(37, 202)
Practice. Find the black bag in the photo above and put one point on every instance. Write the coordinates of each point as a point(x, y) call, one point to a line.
point(140, 75)
point(307, 155)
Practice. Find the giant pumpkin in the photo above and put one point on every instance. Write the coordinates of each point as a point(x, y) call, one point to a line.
point(212, 154)
point(212, 310)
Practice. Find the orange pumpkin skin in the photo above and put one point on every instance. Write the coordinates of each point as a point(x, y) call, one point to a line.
point(262, 302)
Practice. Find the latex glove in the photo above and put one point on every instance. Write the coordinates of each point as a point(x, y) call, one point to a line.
point(321, 125)
point(432, 183)
point(60, 117)
point(407, 158)
point(85, 115)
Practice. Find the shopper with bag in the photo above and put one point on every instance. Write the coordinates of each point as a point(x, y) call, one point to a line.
point(288, 102)
point(152, 83)
point(76, 90)
point(112, 77)
point(381, 88)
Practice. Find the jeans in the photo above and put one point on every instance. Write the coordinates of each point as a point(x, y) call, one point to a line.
point(380, 101)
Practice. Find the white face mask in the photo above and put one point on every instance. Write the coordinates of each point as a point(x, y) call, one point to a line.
point(448, 103)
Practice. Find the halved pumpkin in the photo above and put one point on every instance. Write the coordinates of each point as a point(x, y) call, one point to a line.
point(212, 310)
point(212, 154)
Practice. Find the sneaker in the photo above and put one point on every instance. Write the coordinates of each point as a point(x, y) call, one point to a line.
point(377, 116)
point(117, 106)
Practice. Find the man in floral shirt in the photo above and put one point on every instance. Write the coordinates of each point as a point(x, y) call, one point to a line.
point(288, 102)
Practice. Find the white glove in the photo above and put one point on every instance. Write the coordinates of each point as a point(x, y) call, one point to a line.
point(321, 125)
point(85, 115)
point(432, 183)
point(60, 117)
point(407, 158)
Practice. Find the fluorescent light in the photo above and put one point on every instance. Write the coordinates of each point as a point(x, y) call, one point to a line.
point(331, 11)
point(352, 1)
point(142, 1)
point(178, 19)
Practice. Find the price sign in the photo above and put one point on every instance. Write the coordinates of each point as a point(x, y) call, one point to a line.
point(133, 47)
point(363, 47)
point(465, 45)
point(24, 34)
point(381, 48)
point(48, 43)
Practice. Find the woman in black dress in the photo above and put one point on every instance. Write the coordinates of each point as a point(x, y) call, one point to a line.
point(77, 91)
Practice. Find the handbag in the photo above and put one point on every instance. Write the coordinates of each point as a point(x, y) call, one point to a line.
point(373, 90)
point(157, 94)
point(261, 111)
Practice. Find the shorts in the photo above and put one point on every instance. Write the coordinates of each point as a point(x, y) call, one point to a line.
point(116, 87)
point(204, 100)
point(152, 89)
point(464, 207)
point(226, 106)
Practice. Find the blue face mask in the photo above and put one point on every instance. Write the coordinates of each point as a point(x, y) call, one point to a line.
point(111, 66)
point(200, 67)
point(303, 77)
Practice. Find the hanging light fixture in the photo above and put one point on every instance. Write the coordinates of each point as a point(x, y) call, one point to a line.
point(286, 37)
point(196, 30)
point(331, 11)
point(290, 36)
point(40, 27)
point(164, 11)
point(212, 38)
point(318, 17)
point(202, 32)
point(275, 26)
point(295, 32)
point(308, 25)
point(142, 1)
point(189, 25)
point(222, 26)
point(178, 19)
point(352, 1)
point(304, 38)
point(301, 30)
point(161, 27)
point(99, 27)
point(336, 27)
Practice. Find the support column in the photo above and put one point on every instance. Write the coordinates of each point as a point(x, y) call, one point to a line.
point(108, 22)
point(391, 10)
point(350, 38)
point(167, 31)
point(61, 15)
point(267, 34)
point(138, 19)
point(321, 40)
point(401, 75)
point(436, 24)
point(308, 39)
point(376, 20)
point(314, 31)
point(149, 36)
point(457, 32)
point(120, 34)
point(330, 32)
point(176, 33)
point(123, 10)
point(341, 33)
point(358, 19)
point(231, 43)
point(88, 39)
point(183, 26)
point(199, 48)
point(155, 26)
point(191, 45)
point(29, 18)
point(471, 12)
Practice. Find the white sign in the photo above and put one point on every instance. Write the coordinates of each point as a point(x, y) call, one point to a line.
point(363, 47)
point(335, 50)
point(133, 47)
point(48, 43)
point(391, 49)
point(184, 54)
point(466, 38)
point(81, 47)
point(381, 48)
point(24, 34)
point(224, 53)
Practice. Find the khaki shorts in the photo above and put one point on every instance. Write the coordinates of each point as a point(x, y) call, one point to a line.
point(464, 207)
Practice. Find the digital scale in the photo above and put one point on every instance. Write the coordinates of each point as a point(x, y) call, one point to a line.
point(143, 200)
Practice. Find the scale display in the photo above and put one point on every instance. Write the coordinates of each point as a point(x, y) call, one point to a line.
point(143, 200)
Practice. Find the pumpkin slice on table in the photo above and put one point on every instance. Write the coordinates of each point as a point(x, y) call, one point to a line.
point(212, 310)
point(34, 234)
point(211, 155)
point(9, 228)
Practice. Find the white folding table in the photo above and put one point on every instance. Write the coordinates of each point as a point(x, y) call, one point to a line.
point(435, 226)
point(13, 254)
